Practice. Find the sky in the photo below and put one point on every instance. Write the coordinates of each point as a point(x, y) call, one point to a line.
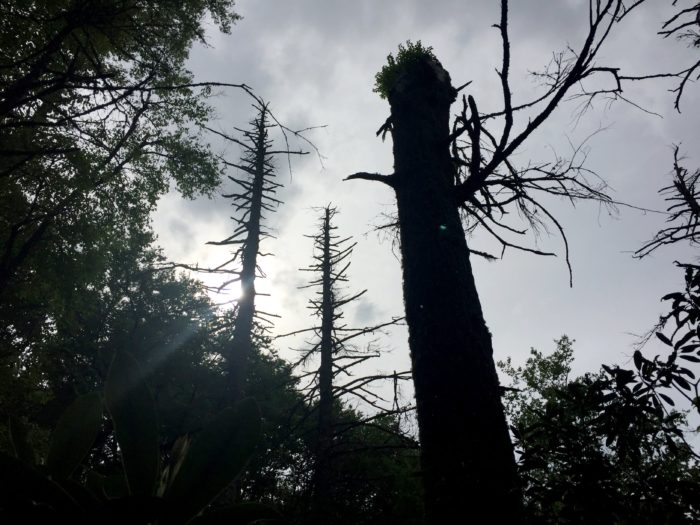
point(315, 62)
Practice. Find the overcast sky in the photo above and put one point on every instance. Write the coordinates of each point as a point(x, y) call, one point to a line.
point(315, 62)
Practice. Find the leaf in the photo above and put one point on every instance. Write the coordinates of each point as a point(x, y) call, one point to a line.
point(664, 339)
point(638, 359)
point(690, 358)
point(639, 389)
point(178, 453)
point(676, 296)
point(624, 377)
point(133, 413)
point(216, 457)
point(19, 439)
point(687, 337)
point(74, 435)
point(681, 382)
point(686, 372)
point(241, 514)
point(667, 399)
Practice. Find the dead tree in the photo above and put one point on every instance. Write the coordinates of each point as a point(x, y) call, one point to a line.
point(333, 345)
point(684, 25)
point(683, 197)
point(255, 196)
point(444, 185)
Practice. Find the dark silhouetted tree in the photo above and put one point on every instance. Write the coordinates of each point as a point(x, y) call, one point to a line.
point(257, 188)
point(98, 117)
point(255, 197)
point(591, 451)
point(443, 185)
point(684, 25)
point(678, 329)
point(337, 357)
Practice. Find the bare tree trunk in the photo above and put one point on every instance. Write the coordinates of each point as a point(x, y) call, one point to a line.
point(242, 344)
point(466, 452)
point(339, 353)
point(322, 478)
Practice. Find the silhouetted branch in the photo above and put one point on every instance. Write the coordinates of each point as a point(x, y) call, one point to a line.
point(684, 210)
point(386, 179)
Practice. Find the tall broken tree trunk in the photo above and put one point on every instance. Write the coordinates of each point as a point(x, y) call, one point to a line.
point(466, 453)
point(242, 344)
point(255, 197)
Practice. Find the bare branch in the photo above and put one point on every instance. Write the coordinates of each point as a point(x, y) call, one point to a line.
point(386, 179)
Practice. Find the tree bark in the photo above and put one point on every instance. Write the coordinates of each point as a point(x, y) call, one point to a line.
point(466, 454)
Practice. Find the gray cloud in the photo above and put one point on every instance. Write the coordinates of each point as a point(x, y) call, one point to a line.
point(315, 61)
point(366, 313)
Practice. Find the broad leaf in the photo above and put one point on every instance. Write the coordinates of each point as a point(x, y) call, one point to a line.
point(133, 413)
point(664, 339)
point(74, 435)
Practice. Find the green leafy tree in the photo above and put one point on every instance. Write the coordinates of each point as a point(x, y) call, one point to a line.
point(590, 451)
point(375, 471)
point(98, 117)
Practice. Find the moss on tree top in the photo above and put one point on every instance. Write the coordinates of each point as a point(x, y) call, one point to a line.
point(408, 54)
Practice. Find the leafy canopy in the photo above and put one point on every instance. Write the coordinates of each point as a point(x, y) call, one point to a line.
point(591, 439)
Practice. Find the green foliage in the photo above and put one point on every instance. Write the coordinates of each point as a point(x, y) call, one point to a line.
point(160, 318)
point(377, 472)
point(406, 55)
point(94, 129)
point(177, 337)
point(194, 478)
point(591, 451)
point(540, 375)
